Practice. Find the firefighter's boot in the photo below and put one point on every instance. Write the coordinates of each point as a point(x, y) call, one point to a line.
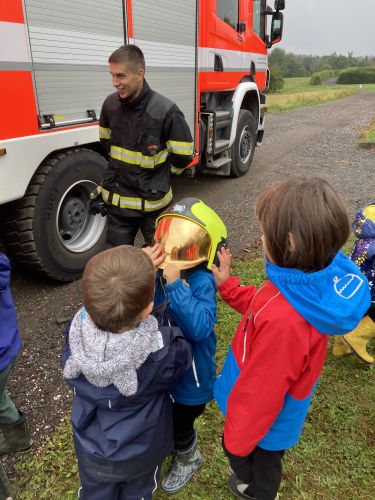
point(340, 348)
point(15, 437)
point(5, 488)
point(184, 464)
point(358, 339)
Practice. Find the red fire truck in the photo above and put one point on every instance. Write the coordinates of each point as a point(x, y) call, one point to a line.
point(209, 56)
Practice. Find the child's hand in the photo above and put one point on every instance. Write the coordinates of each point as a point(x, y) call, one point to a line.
point(171, 273)
point(222, 273)
point(155, 253)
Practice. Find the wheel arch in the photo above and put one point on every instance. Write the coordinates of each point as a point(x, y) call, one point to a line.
point(246, 96)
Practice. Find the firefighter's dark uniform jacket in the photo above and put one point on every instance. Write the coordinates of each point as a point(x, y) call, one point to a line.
point(145, 139)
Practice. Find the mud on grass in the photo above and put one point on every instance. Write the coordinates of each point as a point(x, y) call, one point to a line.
point(333, 459)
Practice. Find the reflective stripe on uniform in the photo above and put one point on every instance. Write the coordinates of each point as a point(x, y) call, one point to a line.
point(137, 158)
point(104, 133)
point(176, 171)
point(151, 206)
point(136, 203)
point(181, 148)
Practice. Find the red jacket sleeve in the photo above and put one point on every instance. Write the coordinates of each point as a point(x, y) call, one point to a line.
point(237, 296)
point(276, 359)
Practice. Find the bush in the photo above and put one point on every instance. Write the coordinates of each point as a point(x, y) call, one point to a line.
point(357, 75)
point(321, 76)
point(276, 79)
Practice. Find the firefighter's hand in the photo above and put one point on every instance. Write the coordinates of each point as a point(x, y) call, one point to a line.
point(156, 254)
point(222, 272)
point(171, 273)
point(97, 204)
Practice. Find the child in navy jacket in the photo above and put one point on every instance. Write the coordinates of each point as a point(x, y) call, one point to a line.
point(121, 365)
point(189, 233)
point(278, 351)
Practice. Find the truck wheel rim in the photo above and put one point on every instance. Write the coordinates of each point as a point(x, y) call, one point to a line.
point(245, 144)
point(78, 231)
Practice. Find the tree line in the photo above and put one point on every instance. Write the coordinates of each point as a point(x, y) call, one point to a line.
point(305, 65)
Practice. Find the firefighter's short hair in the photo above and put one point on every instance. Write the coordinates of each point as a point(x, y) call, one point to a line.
point(117, 285)
point(128, 54)
point(304, 223)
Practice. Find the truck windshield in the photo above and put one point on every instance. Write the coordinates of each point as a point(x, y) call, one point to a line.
point(227, 10)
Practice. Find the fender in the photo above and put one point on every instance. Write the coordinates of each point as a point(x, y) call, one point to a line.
point(237, 100)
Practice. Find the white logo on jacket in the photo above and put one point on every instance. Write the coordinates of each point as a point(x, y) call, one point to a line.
point(348, 285)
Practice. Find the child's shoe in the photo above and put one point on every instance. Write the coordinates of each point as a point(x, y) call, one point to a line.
point(184, 464)
point(358, 339)
point(15, 437)
point(239, 489)
point(340, 348)
point(5, 488)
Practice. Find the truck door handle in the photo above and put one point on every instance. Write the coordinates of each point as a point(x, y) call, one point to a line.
point(218, 64)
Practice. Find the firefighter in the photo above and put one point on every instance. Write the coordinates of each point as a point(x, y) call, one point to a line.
point(146, 137)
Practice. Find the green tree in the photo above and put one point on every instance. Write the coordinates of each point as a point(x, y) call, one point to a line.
point(276, 78)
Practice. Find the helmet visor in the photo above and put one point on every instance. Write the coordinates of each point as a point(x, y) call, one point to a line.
point(186, 243)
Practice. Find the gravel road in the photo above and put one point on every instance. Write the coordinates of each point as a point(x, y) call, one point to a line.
point(312, 141)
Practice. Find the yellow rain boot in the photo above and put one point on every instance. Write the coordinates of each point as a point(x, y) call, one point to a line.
point(340, 348)
point(358, 339)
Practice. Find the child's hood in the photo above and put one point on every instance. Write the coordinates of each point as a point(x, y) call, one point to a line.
point(106, 358)
point(333, 300)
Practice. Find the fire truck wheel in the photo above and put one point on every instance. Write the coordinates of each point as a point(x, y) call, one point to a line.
point(242, 150)
point(50, 230)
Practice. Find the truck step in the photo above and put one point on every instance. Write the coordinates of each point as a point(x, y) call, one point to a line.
point(223, 119)
point(221, 145)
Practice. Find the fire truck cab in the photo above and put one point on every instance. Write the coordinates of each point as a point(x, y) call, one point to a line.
point(210, 57)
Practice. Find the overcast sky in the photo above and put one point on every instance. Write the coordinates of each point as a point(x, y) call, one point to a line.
point(322, 27)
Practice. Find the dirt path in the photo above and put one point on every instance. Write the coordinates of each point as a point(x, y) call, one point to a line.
point(312, 141)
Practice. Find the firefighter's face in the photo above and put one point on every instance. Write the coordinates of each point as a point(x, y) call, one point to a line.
point(128, 83)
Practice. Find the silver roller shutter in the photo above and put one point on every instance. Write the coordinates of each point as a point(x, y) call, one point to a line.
point(70, 43)
point(166, 32)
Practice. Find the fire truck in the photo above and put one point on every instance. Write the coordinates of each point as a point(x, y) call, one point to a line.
point(208, 56)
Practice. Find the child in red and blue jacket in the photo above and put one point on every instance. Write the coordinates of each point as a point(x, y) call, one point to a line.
point(277, 354)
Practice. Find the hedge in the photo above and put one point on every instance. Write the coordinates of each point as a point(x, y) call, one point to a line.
point(357, 75)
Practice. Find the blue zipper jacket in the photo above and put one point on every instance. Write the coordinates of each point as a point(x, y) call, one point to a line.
point(192, 305)
point(10, 340)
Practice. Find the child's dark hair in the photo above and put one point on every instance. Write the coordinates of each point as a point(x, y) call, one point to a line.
point(117, 285)
point(130, 55)
point(304, 222)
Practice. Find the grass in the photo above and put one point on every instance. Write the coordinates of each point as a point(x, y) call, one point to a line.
point(333, 459)
point(298, 93)
point(367, 138)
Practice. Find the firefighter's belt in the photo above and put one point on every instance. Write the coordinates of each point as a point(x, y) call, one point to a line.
point(136, 203)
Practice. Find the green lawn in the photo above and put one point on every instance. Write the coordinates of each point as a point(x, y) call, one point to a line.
point(368, 135)
point(334, 458)
point(297, 93)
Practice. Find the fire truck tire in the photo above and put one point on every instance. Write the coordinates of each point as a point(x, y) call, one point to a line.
point(49, 231)
point(242, 150)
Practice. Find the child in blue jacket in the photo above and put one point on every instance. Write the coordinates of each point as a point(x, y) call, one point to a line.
point(189, 233)
point(13, 425)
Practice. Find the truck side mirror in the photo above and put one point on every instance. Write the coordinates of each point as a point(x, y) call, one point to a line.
point(276, 29)
point(279, 5)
